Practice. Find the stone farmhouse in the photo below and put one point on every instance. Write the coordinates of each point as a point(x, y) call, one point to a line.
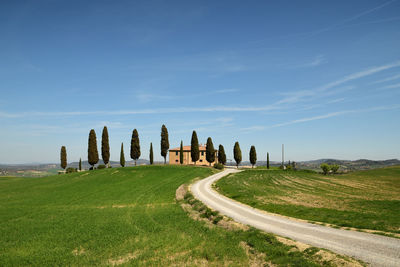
point(174, 155)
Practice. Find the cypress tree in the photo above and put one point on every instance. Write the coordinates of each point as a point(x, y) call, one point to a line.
point(253, 156)
point(135, 146)
point(181, 153)
point(122, 156)
point(267, 160)
point(151, 153)
point(164, 142)
point(210, 151)
point(237, 154)
point(221, 155)
point(80, 164)
point(93, 154)
point(194, 148)
point(105, 147)
point(63, 157)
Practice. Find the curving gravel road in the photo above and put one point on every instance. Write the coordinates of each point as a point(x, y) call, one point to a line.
point(374, 249)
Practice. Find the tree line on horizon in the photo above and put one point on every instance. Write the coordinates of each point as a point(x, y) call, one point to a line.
point(93, 155)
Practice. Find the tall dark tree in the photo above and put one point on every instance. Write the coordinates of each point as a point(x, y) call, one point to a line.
point(105, 147)
point(181, 153)
point(63, 157)
point(80, 164)
point(267, 160)
point(135, 146)
point(194, 148)
point(93, 154)
point(122, 156)
point(210, 151)
point(253, 156)
point(237, 154)
point(221, 155)
point(151, 154)
point(164, 142)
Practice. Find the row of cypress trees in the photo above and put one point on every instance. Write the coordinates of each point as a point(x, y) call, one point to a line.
point(210, 152)
point(135, 152)
point(93, 156)
point(237, 154)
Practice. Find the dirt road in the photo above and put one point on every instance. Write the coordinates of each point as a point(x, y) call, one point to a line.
point(374, 249)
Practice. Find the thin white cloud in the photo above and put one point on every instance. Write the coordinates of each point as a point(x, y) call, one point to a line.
point(359, 75)
point(388, 79)
point(392, 86)
point(320, 117)
point(316, 61)
point(369, 11)
point(354, 17)
point(292, 97)
point(231, 90)
point(137, 112)
point(337, 100)
point(152, 97)
point(147, 97)
point(320, 59)
point(300, 95)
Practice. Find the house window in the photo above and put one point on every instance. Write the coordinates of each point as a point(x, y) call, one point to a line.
point(201, 160)
point(176, 160)
point(202, 153)
point(176, 153)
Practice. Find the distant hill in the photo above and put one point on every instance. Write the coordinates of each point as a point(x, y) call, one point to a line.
point(345, 165)
point(349, 165)
point(35, 170)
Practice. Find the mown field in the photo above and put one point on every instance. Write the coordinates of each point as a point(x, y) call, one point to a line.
point(121, 216)
point(363, 199)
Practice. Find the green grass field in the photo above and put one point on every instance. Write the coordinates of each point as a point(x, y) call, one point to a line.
point(120, 216)
point(364, 199)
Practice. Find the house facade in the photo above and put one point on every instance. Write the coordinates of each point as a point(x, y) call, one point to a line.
point(174, 156)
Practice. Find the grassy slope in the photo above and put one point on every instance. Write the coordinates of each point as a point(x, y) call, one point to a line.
point(91, 218)
point(364, 199)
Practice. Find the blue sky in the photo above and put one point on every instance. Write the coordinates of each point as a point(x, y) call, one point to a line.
point(322, 77)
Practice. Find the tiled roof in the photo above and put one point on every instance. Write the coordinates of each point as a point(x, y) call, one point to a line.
point(187, 148)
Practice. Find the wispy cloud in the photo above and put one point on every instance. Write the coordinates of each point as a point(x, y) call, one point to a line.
point(353, 18)
point(291, 98)
point(145, 98)
point(231, 90)
point(149, 97)
point(359, 75)
point(391, 86)
point(388, 79)
point(319, 117)
point(308, 63)
point(369, 11)
point(138, 111)
point(300, 95)
point(320, 59)
point(337, 100)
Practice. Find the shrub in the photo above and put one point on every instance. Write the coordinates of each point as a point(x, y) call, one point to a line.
point(71, 170)
point(101, 166)
point(217, 219)
point(289, 167)
point(325, 168)
point(219, 166)
point(187, 196)
point(335, 168)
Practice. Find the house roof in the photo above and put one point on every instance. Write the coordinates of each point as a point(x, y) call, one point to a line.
point(187, 148)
